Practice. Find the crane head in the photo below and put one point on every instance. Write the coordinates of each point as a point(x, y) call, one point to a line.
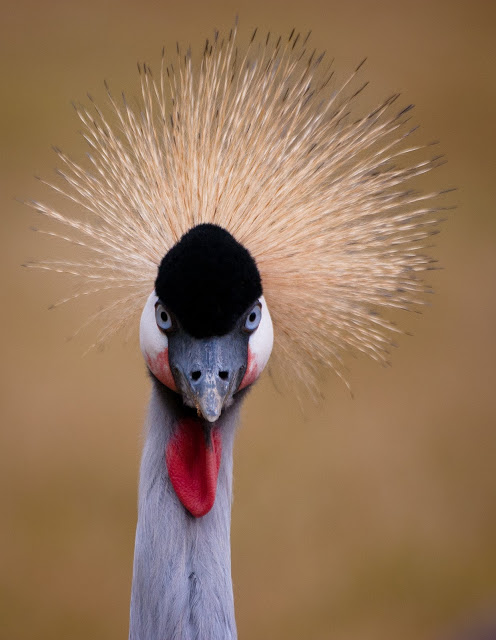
point(206, 331)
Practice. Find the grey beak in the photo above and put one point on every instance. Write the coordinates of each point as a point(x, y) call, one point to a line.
point(209, 393)
point(207, 371)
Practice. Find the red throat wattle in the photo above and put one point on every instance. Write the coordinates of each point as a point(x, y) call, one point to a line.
point(193, 465)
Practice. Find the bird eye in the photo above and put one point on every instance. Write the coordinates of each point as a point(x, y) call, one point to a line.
point(253, 318)
point(163, 318)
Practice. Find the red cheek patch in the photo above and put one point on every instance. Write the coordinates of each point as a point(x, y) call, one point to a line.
point(193, 465)
point(251, 373)
point(160, 367)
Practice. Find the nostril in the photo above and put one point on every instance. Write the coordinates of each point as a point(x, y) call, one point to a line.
point(223, 375)
point(195, 375)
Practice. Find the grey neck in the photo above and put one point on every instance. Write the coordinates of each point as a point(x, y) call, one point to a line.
point(182, 588)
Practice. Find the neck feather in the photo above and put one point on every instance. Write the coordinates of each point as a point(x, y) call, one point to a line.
point(182, 588)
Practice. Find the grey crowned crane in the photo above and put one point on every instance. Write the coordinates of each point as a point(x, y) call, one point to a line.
point(241, 204)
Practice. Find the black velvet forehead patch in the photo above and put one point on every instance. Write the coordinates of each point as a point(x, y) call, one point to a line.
point(208, 279)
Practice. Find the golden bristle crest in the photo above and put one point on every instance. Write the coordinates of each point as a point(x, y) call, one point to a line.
point(265, 145)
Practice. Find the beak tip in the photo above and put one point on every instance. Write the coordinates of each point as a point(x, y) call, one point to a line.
point(208, 414)
point(212, 417)
point(210, 404)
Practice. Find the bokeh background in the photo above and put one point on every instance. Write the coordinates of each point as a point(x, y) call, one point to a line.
point(360, 519)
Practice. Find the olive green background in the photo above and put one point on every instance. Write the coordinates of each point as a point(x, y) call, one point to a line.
point(362, 519)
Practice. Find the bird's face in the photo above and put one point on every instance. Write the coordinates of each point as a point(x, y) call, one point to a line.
point(206, 371)
point(206, 330)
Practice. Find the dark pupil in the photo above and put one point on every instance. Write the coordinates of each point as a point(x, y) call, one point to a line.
point(164, 316)
point(253, 316)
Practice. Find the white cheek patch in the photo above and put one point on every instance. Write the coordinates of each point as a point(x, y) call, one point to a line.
point(154, 345)
point(259, 347)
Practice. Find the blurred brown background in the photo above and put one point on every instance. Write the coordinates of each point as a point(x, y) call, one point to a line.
point(372, 518)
